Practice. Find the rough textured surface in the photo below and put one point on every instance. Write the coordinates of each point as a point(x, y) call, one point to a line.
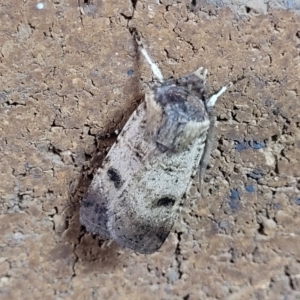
point(70, 75)
point(244, 7)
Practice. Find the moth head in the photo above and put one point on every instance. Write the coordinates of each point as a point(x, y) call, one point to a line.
point(176, 112)
point(193, 84)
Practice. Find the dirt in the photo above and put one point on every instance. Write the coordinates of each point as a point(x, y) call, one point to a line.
point(71, 77)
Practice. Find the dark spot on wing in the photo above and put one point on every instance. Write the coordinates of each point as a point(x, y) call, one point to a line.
point(166, 201)
point(162, 235)
point(162, 147)
point(86, 203)
point(97, 208)
point(115, 177)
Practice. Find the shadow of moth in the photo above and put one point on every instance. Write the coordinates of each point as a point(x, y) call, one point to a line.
point(136, 195)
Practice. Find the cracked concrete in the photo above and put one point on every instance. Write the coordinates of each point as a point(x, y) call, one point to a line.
point(71, 77)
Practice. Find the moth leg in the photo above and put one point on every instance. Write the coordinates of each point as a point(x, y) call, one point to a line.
point(208, 147)
point(155, 69)
point(211, 132)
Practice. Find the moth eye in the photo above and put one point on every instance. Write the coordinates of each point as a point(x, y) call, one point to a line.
point(115, 177)
point(166, 201)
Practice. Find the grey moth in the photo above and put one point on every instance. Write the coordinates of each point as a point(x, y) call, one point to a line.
point(136, 195)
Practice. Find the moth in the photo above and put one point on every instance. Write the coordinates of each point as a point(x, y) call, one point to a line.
point(136, 195)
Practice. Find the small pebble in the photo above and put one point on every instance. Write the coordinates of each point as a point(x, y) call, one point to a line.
point(241, 146)
point(269, 226)
point(130, 72)
point(234, 200)
point(257, 145)
point(250, 188)
point(40, 6)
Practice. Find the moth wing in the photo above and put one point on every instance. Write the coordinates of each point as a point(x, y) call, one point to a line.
point(108, 182)
point(93, 210)
point(137, 232)
point(144, 214)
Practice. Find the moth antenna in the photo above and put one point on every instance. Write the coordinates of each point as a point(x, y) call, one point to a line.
point(213, 99)
point(155, 69)
point(207, 148)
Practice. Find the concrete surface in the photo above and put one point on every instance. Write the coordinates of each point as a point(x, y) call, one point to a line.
point(70, 77)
